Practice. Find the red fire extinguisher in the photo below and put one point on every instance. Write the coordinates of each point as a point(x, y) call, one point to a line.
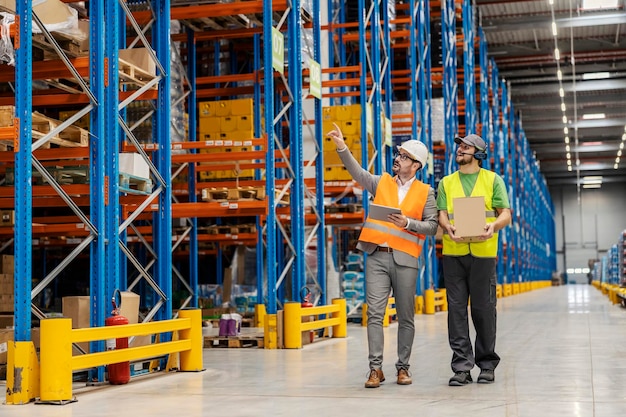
point(119, 373)
point(305, 297)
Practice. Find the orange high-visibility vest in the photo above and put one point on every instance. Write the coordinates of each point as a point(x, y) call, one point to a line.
point(378, 231)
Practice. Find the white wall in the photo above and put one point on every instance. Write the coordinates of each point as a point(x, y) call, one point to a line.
point(587, 228)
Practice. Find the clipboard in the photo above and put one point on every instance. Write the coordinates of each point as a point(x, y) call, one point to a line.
point(378, 212)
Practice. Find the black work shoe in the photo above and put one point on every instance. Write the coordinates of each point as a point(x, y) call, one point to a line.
point(486, 376)
point(460, 378)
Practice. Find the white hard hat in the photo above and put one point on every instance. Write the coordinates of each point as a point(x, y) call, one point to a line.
point(416, 150)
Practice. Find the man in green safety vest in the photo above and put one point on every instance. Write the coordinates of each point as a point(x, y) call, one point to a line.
point(469, 268)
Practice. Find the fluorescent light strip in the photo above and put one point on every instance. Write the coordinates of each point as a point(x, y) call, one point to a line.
point(594, 116)
point(596, 76)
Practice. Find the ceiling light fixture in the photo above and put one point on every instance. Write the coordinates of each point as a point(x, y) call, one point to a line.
point(566, 139)
point(559, 75)
point(564, 119)
point(562, 106)
point(592, 179)
point(566, 148)
point(561, 92)
point(599, 4)
point(596, 75)
point(565, 130)
point(592, 185)
point(557, 54)
point(594, 116)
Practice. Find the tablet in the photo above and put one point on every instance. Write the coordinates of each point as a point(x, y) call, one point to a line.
point(379, 212)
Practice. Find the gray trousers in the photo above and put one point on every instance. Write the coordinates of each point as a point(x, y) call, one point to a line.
point(383, 275)
point(469, 277)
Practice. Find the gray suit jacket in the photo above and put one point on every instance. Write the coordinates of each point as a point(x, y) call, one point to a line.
point(427, 225)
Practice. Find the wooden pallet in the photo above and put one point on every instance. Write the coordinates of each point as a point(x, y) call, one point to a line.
point(233, 194)
point(43, 49)
point(70, 137)
point(135, 185)
point(230, 229)
point(242, 341)
point(133, 75)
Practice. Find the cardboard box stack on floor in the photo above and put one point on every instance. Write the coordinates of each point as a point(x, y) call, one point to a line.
point(7, 299)
point(78, 309)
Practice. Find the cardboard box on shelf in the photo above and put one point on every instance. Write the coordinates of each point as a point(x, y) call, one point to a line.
point(132, 163)
point(140, 58)
point(8, 264)
point(49, 11)
point(469, 218)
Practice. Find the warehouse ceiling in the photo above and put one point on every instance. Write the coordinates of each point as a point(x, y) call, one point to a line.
point(520, 38)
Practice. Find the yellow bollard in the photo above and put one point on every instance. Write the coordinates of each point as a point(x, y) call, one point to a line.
point(22, 373)
point(429, 301)
point(364, 315)
point(340, 330)
point(419, 304)
point(55, 384)
point(259, 315)
point(270, 332)
point(191, 360)
point(293, 322)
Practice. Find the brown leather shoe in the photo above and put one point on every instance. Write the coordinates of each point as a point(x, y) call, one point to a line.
point(404, 378)
point(375, 378)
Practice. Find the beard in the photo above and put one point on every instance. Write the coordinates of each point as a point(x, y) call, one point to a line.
point(462, 161)
point(395, 168)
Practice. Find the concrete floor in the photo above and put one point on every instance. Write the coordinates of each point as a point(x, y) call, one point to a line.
point(563, 354)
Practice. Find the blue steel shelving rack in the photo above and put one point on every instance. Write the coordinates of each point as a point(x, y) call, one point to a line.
point(106, 234)
point(371, 56)
point(527, 247)
point(420, 95)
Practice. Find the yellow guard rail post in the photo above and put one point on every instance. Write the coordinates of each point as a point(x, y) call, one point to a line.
point(57, 362)
point(294, 326)
point(433, 299)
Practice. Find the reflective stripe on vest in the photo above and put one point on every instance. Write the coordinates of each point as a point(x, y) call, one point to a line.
point(379, 232)
point(483, 187)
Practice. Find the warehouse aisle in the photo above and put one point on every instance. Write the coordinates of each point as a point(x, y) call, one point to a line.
point(562, 352)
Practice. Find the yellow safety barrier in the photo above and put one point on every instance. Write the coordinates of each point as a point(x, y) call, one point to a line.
point(389, 311)
point(507, 290)
point(259, 315)
point(515, 288)
point(434, 299)
point(294, 325)
point(419, 304)
point(270, 331)
point(57, 362)
point(498, 290)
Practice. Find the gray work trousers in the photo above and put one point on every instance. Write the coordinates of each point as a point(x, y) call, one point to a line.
point(383, 275)
point(475, 278)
